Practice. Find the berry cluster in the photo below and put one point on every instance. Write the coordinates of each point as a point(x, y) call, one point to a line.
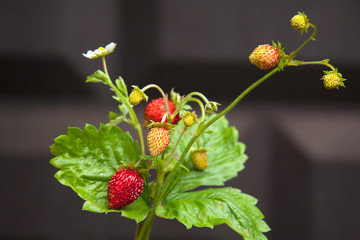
point(160, 115)
point(267, 57)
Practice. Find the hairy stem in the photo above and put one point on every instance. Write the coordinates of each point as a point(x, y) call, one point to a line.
point(132, 114)
point(200, 105)
point(324, 62)
point(312, 37)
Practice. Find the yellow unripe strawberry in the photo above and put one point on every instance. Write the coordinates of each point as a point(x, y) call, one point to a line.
point(158, 138)
point(137, 96)
point(300, 22)
point(190, 119)
point(199, 159)
point(333, 79)
point(265, 57)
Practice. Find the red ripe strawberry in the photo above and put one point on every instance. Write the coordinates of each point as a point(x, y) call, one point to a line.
point(265, 57)
point(125, 186)
point(155, 111)
point(157, 140)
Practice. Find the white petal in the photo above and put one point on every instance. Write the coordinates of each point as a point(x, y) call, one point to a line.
point(98, 52)
point(89, 54)
point(110, 47)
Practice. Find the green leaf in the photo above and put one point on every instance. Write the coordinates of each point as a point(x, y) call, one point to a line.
point(98, 77)
point(211, 207)
point(115, 119)
point(113, 116)
point(88, 158)
point(207, 208)
point(120, 83)
point(226, 156)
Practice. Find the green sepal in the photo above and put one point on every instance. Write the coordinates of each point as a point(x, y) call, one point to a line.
point(211, 107)
point(88, 158)
point(307, 25)
point(283, 57)
point(175, 98)
point(165, 125)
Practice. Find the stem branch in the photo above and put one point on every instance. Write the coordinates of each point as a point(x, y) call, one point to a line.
point(312, 37)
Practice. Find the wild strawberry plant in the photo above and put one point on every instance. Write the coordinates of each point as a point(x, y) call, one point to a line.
point(186, 149)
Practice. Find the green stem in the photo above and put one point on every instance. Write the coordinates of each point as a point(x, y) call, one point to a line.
point(138, 228)
point(183, 130)
point(104, 65)
point(324, 62)
point(145, 229)
point(132, 114)
point(154, 86)
point(293, 54)
point(203, 127)
point(241, 96)
point(198, 94)
point(198, 102)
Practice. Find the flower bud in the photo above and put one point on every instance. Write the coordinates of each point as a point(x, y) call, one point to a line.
point(211, 107)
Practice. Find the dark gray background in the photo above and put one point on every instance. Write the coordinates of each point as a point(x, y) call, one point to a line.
point(302, 140)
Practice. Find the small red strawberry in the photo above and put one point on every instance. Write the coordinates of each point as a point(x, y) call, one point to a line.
point(265, 57)
point(158, 138)
point(125, 186)
point(199, 159)
point(155, 111)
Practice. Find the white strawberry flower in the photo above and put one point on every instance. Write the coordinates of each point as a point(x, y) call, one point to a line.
point(100, 52)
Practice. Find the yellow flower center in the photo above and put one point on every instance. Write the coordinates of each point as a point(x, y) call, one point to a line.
point(102, 49)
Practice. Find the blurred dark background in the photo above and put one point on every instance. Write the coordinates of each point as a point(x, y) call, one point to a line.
point(302, 140)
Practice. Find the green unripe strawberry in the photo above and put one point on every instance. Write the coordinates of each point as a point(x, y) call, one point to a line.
point(199, 159)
